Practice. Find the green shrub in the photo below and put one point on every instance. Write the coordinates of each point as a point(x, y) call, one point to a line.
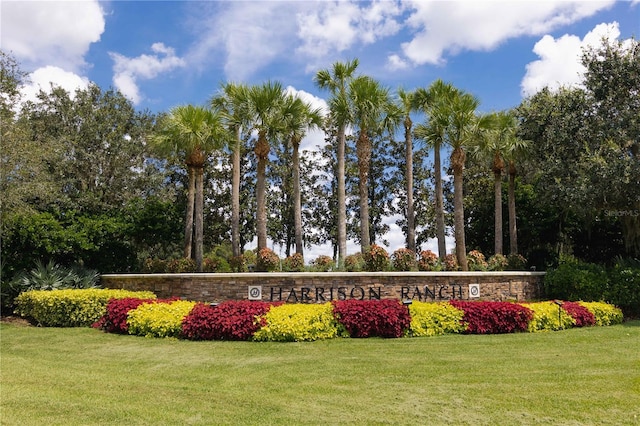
point(181, 265)
point(429, 261)
point(293, 263)
point(605, 313)
point(498, 262)
point(376, 259)
point(435, 318)
point(159, 319)
point(71, 307)
point(154, 266)
point(548, 316)
point(322, 263)
point(404, 259)
point(298, 322)
point(238, 263)
point(476, 261)
point(624, 288)
point(354, 263)
point(576, 280)
point(516, 262)
point(267, 260)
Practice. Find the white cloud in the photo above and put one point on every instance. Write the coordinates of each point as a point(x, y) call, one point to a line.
point(127, 71)
point(560, 59)
point(337, 26)
point(247, 36)
point(451, 26)
point(46, 77)
point(56, 33)
point(395, 62)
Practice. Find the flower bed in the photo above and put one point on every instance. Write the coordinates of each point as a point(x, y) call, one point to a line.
point(261, 321)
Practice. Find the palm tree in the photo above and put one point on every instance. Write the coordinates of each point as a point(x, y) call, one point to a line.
point(491, 148)
point(298, 117)
point(516, 150)
point(192, 132)
point(233, 103)
point(369, 101)
point(265, 108)
point(464, 129)
point(408, 105)
point(336, 81)
point(434, 102)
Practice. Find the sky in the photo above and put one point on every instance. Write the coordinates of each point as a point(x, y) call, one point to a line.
point(161, 54)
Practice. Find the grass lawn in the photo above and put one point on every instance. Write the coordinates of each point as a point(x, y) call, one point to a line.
point(81, 376)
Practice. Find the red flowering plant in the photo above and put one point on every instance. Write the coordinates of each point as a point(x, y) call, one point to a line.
point(476, 261)
point(368, 318)
point(267, 260)
point(404, 259)
point(322, 263)
point(232, 320)
point(493, 317)
point(429, 261)
point(579, 313)
point(376, 259)
point(293, 263)
point(451, 262)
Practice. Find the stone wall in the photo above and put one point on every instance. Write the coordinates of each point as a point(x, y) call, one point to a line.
point(305, 287)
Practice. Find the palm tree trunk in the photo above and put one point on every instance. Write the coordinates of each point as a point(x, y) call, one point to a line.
point(457, 163)
point(342, 198)
point(513, 229)
point(188, 227)
point(363, 152)
point(297, 201)
point(199, 209)
point(411, 225)
point(497, 190)
point(262, 152)
point(235, 198)
point(440, 231)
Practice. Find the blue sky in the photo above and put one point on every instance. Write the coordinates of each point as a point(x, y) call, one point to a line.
point(164, 53)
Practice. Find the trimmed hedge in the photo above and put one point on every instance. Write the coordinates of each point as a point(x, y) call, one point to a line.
point(435, 318)
point(548, 316)
point(297, 323)
point(493, 317)
point(604, 313)
point(369, 318)
point(115, 319)
point(159, 319)
point(70, 307)
point(233, 320)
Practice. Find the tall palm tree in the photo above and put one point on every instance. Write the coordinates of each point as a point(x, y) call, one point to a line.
point(492, 148)
point(265, 107)
point(369, 101)
point(192, 132)
point(336, 80)
point(407, 106)
point(464, 129)
point(434, 102)
point(515, 151)
point(298, 117)
point(233, 103)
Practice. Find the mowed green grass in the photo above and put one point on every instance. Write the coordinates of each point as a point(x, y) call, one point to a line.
point(81, 376)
